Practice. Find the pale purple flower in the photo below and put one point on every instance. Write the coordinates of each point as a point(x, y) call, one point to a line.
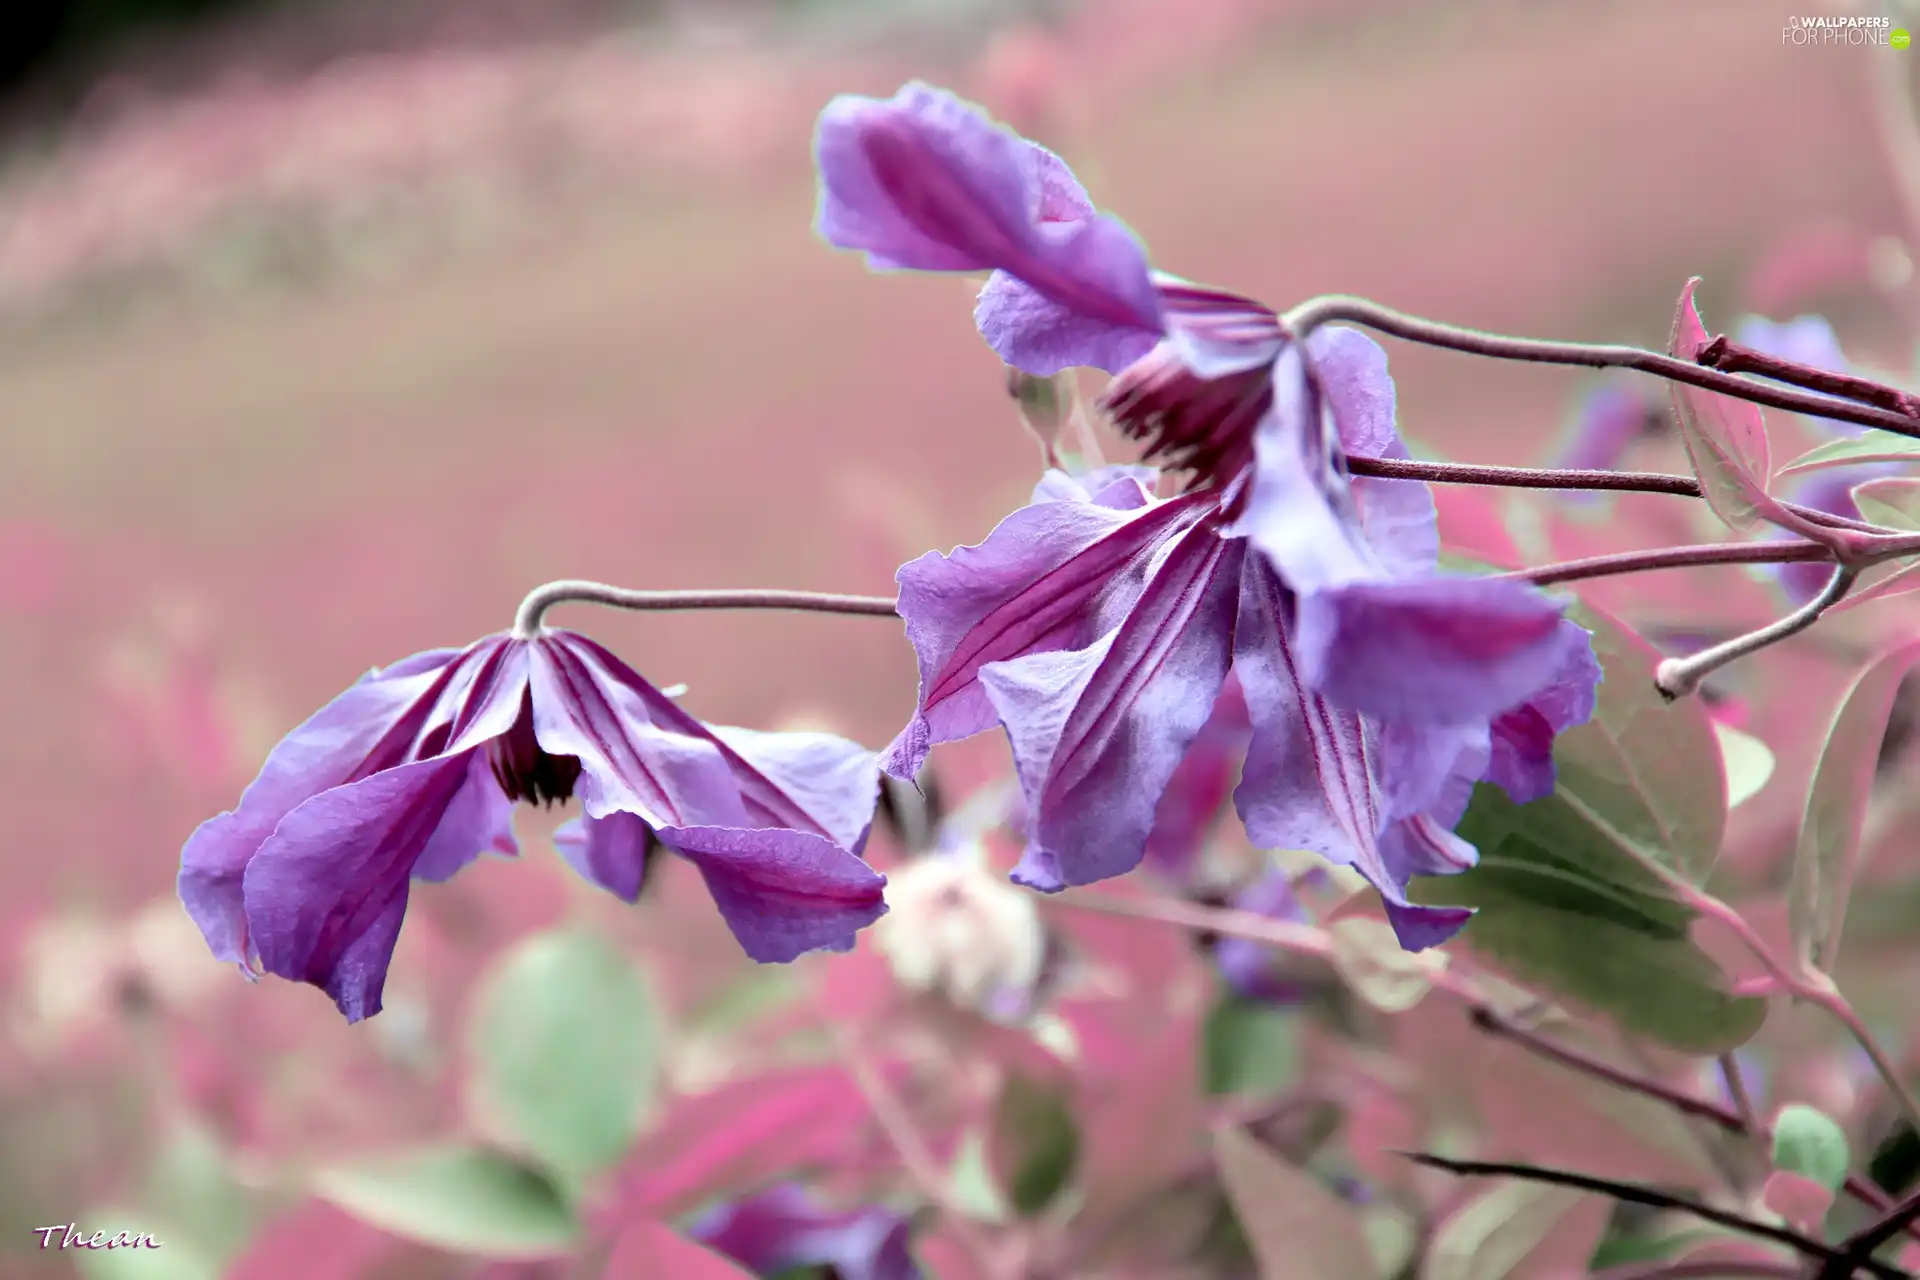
point(926, 182)
point(1805, 340)
point(1247, 966)
point(413, 772)
point(1201, 784)
point(782, 1229)
point(1613, 415)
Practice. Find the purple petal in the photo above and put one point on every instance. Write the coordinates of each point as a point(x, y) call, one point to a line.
point(1121, 488)
point(1447, 648)
point(1522, 746)
point(1199, 788)
point(925, 182)
point(781, 1229)
point(1246, 965)
point(783, 893)
point(1309, 781)
point(366, 728)
point(614, 852)
point(1398, 517)
point(1612, 416)
point(1031, 587)
point(638, 751)
point(478, 820)
point(814, 782)
point(1034, 333)
point(1097, 734)
point(327, 890)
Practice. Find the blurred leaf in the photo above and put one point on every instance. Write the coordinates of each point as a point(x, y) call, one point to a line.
point(1382, 972)
point(1250, 1047)
point(462, 1199)
point(1807, 1142)
point(653, 1251)
point(1874, 446)
point(1799, 1200)
point(176, 1258)
point(975, 1189)
point(1033, 1145)
point(1726, 438)
point(1837, 808)
point(564, 1046)
point(1393, 1236)
point(192, 1187)
point(1749, 763)
point(1298, 1228)
point(1893, 501)
point(1622, 1250)
point(1492, 1234)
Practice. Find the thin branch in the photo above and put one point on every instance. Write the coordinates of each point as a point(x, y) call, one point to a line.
point(1652, 1197)
point(1862, 1244)
point(1677, 677)
point(1705, 553)
point(1334, 308)
point(1730, 357)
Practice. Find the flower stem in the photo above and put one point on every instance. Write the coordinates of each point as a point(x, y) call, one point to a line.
point(526, 622)
point(1730, 357)
point(1333, 308)
point(1557, 478)
point(1677, 677)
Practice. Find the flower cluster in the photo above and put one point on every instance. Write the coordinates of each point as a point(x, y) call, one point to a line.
point(1100, 627)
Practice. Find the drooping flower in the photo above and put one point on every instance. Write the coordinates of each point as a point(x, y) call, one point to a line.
point(782, 1228)
point(1098, 627)
point(1208, 380)
point(1201, 784)
point(413, 772)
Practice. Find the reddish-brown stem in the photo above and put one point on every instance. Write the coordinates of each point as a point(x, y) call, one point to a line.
point(1730, 357)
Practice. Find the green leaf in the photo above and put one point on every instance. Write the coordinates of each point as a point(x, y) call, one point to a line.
point(1033, 1146)
point(1837, 808)
point(1809, 1143)
point(565, 1049)
point(1749, 763)
point(1893, 501)
point(1567, 889)
point(192, 1186)
point(1249, 1047)
point(462, 1199)
point(1874, 446)
point(1298, 1229)
point(177, 1257)
point(1490, 1235)
point(1379, 970)
point(1646, 770)
point(1725, 438)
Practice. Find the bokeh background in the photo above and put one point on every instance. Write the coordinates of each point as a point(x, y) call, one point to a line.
point(328, 329)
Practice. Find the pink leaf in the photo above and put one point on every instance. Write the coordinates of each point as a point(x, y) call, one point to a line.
point(651, 1251)
point(313, 1242)
point(1801, 1201)
point(1726, 438)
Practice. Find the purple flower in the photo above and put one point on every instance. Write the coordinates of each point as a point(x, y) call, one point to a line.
point(414, 770)
point(1830, 491)
point(1805, 340)
point(782, 1229)
point(1613, 415)
point(1200, 784)
point(1208, 379)
point(1248, 966)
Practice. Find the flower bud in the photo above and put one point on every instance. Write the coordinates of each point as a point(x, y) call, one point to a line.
point(955, 929)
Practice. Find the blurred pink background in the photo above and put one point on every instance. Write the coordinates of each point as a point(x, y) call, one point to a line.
point(314, 355)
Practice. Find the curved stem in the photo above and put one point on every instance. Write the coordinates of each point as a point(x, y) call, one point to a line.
point(1677, 677)
point(1333, 308)
point(526, 621)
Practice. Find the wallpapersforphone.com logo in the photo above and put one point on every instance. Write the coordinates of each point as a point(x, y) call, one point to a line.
point(1801, 30)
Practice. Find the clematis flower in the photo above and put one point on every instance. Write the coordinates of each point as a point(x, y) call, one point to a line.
point(1208, 380)
point(782, 1229)
point(413, 772)
point(1200, 785)
point(1806, 340)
